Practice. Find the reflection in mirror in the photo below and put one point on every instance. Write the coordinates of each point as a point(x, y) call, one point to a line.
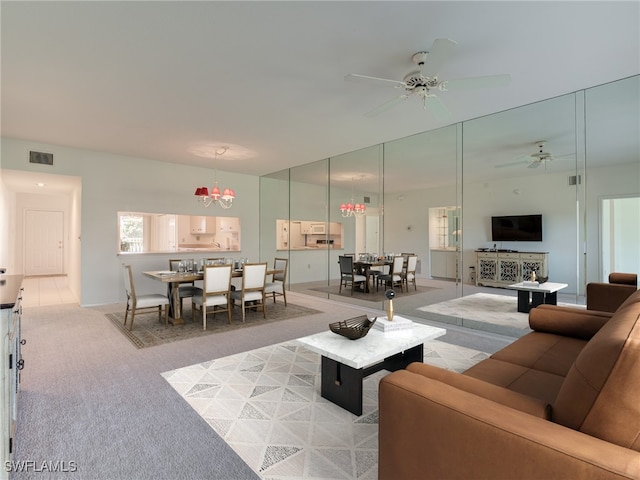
point(140, 232)
point(308, 235)
point(520, 162)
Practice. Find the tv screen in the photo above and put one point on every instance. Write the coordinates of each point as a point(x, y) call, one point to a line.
point(516, 228)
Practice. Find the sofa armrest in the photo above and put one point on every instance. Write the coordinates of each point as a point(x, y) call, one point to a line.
point(431, 430)
point(607, 297)
point(567, 321)
point(501, 395)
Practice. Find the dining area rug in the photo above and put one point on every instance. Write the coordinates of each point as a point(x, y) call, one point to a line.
point(373, 295)
point(149, 332)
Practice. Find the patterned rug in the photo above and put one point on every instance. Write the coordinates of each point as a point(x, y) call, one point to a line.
point(149, 332)
point(372, 296)
point(266, 404)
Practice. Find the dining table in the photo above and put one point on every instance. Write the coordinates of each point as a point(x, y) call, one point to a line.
point(366, 265)
point(174, 279)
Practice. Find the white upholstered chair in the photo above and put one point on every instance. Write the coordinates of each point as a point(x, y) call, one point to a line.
point(394, 277)
point(410, 273)
point(252, 292)
point(278, 285)
point(215, 294)
point(135, 303)
point(348, 274)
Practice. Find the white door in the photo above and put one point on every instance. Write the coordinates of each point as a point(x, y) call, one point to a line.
point(620, 235)
point(44, 245)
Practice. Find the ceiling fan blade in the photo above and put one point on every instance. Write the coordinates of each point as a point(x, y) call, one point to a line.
point(535, 164)
point(437, 108)
point(354, 77)
point(386, 106)
point(488, 81)
point(440, 52)
point(512, 164)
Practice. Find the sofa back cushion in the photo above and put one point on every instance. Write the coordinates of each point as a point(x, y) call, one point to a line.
point(599, 395)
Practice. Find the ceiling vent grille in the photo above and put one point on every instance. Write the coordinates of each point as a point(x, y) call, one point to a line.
point(575, 180)
point(367, 200)
point(41, 158)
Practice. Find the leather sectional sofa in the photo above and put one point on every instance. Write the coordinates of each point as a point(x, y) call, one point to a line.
point(562, 402)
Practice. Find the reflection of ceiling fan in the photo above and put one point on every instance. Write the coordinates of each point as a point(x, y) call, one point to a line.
point(424, 82)
point(535, 159)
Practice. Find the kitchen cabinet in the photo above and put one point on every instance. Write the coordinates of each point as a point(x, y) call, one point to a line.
point(10, 363)
point(201, 224)
point(305, 228)
point(499, 269)
point(227, 224)
point(444, 263)
point(335, 228)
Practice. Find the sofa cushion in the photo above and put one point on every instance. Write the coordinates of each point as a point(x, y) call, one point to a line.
point(543, 351)
point(535, 383)
point(600, 393)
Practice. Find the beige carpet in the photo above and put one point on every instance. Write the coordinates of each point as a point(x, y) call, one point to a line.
point(148, 332)
point(373, 296)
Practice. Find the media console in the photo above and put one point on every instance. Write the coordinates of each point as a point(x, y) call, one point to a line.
point(500, 268)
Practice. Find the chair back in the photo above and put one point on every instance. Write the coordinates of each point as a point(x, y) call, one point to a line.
point(217, 279)
point(173, 264)
point(254, 276)
point(398, 263)
point(346, 264)
point(128, 281)
point(280, 264)
point(412, 263)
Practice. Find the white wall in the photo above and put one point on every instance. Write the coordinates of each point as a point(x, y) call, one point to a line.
point(113, 182)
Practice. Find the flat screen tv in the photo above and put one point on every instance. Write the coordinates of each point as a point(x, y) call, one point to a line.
point(516, 228)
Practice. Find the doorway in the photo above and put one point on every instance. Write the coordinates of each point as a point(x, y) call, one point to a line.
point(44, 242)
point(620, 234)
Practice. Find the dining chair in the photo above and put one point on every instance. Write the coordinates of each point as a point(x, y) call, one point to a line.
point(216, 293)
point(185, 290)
point(135, 303)
point(348, 273)
point(252, 291)
point(278, 284)
point(394, 277)
point(410, 272)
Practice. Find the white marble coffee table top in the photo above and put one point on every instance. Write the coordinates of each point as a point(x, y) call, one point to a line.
point(373, 348)
point(547, 287)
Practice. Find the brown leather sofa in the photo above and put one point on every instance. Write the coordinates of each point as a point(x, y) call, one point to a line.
point(607, 297)
point(562, 402)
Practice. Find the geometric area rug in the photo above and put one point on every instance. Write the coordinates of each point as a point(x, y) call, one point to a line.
point(266, 405)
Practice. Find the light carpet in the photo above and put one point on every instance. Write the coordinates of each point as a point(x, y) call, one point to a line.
point(149, 332)
point(266, 404)
point(484, 311)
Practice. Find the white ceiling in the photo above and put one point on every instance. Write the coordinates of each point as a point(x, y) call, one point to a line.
point(160, 79)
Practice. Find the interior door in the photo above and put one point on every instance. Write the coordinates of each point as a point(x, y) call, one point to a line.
point(44, 245)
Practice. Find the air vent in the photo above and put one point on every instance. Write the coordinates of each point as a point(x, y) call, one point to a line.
point(575, 180)
point(367, 200)
point(41, 158)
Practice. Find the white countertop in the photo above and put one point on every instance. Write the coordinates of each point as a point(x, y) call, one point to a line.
point(373, 348)
point(547, 287)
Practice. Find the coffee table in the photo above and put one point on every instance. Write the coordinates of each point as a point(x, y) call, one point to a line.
point(543, 293)
point(346, 362)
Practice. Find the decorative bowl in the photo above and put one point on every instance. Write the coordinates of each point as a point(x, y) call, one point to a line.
point(353, 328)
point(541, 279)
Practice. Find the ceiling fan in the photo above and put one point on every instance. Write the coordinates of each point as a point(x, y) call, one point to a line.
point(535, 159)
point(424, 82)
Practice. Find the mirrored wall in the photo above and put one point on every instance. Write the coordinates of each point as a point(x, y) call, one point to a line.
point(573, 161)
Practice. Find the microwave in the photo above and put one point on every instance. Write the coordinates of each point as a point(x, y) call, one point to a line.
point(317, 229)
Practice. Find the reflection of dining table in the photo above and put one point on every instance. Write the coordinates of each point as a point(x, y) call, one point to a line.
point(365, 266)
point(174, 279)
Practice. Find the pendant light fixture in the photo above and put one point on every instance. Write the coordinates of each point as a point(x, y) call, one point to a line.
point(224, 199)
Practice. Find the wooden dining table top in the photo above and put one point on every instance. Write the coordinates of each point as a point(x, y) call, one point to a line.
point(168, 276)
